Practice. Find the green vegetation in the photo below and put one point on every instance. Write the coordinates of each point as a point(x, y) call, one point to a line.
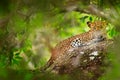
point(30, 28)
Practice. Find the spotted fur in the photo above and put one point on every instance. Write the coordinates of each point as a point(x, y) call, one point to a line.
point(76, 42)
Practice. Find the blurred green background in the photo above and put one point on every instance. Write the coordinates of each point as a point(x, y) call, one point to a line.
point(29, 29)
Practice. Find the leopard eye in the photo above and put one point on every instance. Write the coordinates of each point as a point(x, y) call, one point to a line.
point(99, 27)
point(94, 28)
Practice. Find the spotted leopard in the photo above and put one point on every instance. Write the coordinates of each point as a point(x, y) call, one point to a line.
point(96, 33)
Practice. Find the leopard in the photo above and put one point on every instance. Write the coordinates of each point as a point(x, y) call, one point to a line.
point(96, 33)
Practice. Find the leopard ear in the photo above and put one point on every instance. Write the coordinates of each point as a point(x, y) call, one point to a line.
point(89, 24)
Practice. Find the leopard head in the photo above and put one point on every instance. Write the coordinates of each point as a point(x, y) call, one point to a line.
point(98, 30)
point(97, 25)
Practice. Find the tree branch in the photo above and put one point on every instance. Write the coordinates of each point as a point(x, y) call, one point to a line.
point(86, 58)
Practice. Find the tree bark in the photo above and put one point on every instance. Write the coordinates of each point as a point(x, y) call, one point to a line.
point(84, 60)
